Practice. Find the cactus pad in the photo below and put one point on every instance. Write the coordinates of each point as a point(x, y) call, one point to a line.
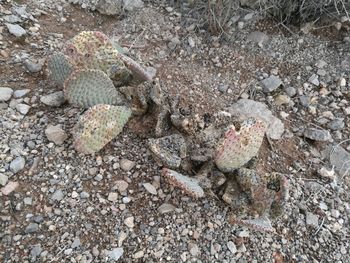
point(93, 50)
point(86, 88)
point(239, 145)
point(59, 68)
point(98, 126)
point(189, 185)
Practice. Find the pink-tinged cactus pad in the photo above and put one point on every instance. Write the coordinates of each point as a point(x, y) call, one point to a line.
point(98, 126)
point(189, 185)
point(239, 145)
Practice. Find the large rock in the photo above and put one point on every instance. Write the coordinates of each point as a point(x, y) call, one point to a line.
point(317, 134)
point(110, 7)
point(55, 99)
point(55, 134)
point(16, 30)
point(5, 94)
point(339, 159)
point(17, 164)
point(246, 108)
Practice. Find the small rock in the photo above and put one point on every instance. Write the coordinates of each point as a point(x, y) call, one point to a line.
point(166, 208)
point(248, 16)
point(121, 185)
point(339, 158)
point(113, 197)
point(20, 93)
point(55, 99)
point(336, 124)
point(223, 88)
point(84, 195)
point(258, 37)
point(240, 25)
point(129, 222)
point(9, 188)
point(5, 94)
point(304, 101)
point(22, 108)
point(138, 254)
point(194, 249)
point(271, 83)
point(56, 134)
point(38, 219)
point(36, 251)
point(17, 164)
point(98, 177)
point(311, 219)
point(317, 135)
point(57, 195)
point(150, 188)
point(290, 91)
point(32, 67)
point(326, 173)
point(321, 64)
point(232, 247)
point(3, 179)
point(16, 30)
point(28, 201)
point(342, 82)
point(75, 243)
point(126, 164)
point(282, 99)
point(31, 228)
point(116, 253)
point(314, 80)
point(321, 72)
point(131, 5)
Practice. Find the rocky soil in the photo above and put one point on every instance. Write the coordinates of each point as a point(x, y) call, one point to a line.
point(61, 206)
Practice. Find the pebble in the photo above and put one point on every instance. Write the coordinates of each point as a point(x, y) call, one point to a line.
point(126, 164)
point(20, 93)
point(166, 208)
point(194, 249)
point(75, 243)
point(121, 186)
point(290, 91)
point(22, 108)
point(28, 201)
point(3, 179)
point(116, 253)
point(98, 177)
point(113, 197)
point(271, 83)
point(17, 164)
point(311, 219)
point(36, 251)
point(304, 101)
point(314, 80)
point(5, 94)
point(16, 30)
point(321, 72)
point(282, 99)
point(336, 124)
point(131, 5)
point(321, 64)
point(150, 188)
point(138, 254)
point(258, 37)
point(317, 134)
point(232, 247)
point(31, 228)
point(57, 195)
point(55, 99)
point(32, 67)
point(56, 134)
point(129, 222)
point(9, 188)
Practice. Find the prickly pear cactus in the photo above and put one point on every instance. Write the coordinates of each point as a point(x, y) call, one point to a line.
point(59, 68)
point(189, 185)
point(86, 88)
point(239, 145)
point(98, 126)
point(93, 50)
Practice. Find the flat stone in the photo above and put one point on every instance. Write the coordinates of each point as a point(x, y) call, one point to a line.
point(22, 108)
point(116, 253)
point(126, 164)
point(20, 93)
point(32, 67)
point(311, 219)
point(321, 64)
point(36, 251)
point(339, 158)
point(55, 99)
point(5, 94)
point(3, 179)
point(336, 124)
point(110, 7)
point(150, 188)
point(271, 83)
point(31, 228)
point(258, 37)
point(57, 195)
point(17, 164)
point(131, 5)
point(245, 108)
point(16, 30)
point(317, 134)
point(75, 243)
point(113, 197)
point(56, 134)
point(232, 247)
point(138, 254)
point(314, 80)
point(166, 208)
point(9, 188)
point(121, 185)
point(129, 222)
point(282, 99)
point(290, 91)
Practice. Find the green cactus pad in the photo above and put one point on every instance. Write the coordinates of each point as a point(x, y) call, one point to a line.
point(189, 185)
point(59, 68)
point(86, 88)
point(239, 145)
point(98, 126)
point(93, 50)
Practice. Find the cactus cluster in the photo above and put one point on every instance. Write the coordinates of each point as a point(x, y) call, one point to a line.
point(90, 69)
